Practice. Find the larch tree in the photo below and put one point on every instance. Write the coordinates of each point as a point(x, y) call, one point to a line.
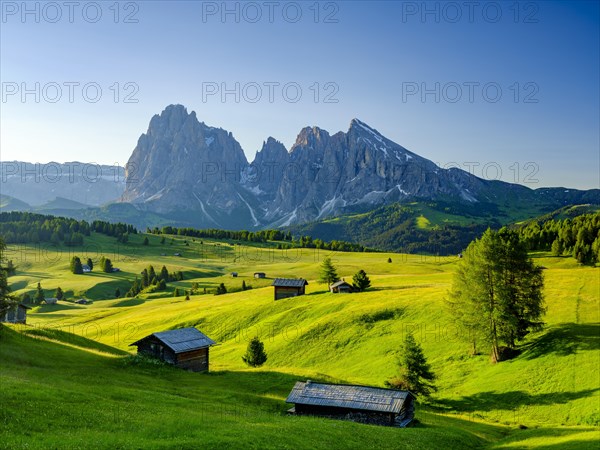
point(496, 296)
point(328, 273)
point(415, 374)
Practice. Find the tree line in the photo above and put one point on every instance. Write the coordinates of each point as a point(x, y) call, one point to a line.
point(285, 239)
point(25, 227)
point(152, 281)
point(578, 237)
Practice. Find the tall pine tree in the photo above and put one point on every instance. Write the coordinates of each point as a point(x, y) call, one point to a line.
point(496, 295)
point(7, 300)
point(328, 273)
point(415, 373)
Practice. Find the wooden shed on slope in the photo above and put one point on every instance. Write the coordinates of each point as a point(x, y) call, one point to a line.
point(17, 314)
point(260, 275)
point(340, 287)
point(359, 403)
point(186, 348)
point(289, 287)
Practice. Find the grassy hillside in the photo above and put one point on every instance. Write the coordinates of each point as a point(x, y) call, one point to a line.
point(552, 388)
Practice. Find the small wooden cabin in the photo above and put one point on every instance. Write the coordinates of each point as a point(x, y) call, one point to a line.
point(359, 403)
point(289, 287)
point(260, 275)
point(186, 348)
point(340, 287)
point(234, 274)
point(51, 301)
point(17, 314)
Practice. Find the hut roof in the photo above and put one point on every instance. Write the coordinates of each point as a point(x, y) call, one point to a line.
point(289, 282)
point(24, 306)
point(340, 283)
point(182, 340)
point(349, 396)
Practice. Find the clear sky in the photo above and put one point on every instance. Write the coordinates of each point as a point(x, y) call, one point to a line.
point(480, 84)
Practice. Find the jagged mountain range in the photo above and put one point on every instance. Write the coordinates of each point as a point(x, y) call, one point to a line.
point(44, 185)
point(186, 173)
point(199, 174)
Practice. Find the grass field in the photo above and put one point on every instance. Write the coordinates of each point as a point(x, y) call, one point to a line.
point(66, 379)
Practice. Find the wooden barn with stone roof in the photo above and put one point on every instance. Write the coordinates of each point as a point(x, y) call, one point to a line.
point(289, 287)
point(186, 348)
point(363, 404)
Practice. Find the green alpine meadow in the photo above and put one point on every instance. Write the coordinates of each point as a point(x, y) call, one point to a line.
point(71, 379)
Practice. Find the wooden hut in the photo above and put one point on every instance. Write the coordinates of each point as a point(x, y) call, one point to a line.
point(360, 403)
point(259, 275)
point(17, 314)
point(340, 287)
point(186, 348)
point(289, 287)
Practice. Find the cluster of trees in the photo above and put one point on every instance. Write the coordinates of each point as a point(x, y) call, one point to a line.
point(285, 239)
point(496, 296)
point(393, 228)
point(578, 237)
point(328, 274)
point(24, 227)
point(243, 235)
point(117, 230)
point(334, 245)
point(105, 264)
point(152, 281)
point(77, 267)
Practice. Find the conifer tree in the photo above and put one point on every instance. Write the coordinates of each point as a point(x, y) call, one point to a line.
point(415, 373)
point(360, 281)
point(39, 295)
point(496, 295)
point(76, 266)
point(328, 273)
point(255, 353)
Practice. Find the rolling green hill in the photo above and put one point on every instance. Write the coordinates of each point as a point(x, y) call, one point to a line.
point(434, 227)
point(68, 364)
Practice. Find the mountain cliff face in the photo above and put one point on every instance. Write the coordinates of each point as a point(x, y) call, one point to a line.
point(181, 165)
point(199, 175)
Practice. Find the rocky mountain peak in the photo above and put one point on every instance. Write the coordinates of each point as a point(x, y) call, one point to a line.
point(311, 137)
point(183, 167)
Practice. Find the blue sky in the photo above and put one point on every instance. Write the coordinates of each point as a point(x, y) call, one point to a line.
point(374, 58)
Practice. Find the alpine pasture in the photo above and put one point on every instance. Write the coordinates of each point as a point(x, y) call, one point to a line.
point(69, 378)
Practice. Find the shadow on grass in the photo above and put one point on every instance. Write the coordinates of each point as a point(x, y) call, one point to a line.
point(72, 339)
point(549, 434)
point(492, 401)
point(54, 308)
point(18, 285)
point(129, 302)
point(564, 340)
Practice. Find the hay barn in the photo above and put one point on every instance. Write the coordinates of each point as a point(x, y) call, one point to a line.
point(186, 348)
point(358, 403)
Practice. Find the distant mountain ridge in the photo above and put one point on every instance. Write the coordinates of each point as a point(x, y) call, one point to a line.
point(185, 173)
point(88, 183)
point(199, 175)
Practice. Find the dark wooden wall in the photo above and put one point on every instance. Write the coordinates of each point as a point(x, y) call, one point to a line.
point(196, 360)
point(286, 292)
